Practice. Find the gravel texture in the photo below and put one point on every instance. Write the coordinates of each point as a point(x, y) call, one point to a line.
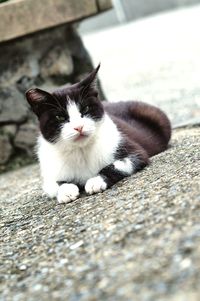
point(139, 240)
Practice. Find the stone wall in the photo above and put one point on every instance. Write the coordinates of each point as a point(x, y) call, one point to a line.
point(46, 59)
point(39, 46)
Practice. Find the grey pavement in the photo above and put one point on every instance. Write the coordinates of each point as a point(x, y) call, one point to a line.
point(139, 240)
point(156, 60)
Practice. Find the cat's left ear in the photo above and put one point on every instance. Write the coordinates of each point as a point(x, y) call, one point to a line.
point(37, 98)
point(90, 81)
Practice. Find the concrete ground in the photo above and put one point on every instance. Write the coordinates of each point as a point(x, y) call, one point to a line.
point(139, 240)
point(155, 60)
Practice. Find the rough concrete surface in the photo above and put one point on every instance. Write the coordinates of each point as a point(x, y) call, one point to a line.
point(139, 240)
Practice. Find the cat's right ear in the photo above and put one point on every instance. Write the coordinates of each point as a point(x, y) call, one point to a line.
point(90, 80)
point(37, 98)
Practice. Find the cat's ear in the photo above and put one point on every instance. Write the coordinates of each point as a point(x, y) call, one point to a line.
point(90, 81)
point(37, 98)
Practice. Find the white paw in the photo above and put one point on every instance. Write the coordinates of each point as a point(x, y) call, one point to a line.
point(67, 193)
point(94, 185)
point(51, 189)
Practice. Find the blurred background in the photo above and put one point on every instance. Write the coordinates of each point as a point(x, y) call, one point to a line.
point(149, 51)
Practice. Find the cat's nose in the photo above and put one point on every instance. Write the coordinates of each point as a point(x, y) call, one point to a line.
point(79, 129)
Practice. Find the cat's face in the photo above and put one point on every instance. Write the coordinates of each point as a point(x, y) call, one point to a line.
point(71, 115)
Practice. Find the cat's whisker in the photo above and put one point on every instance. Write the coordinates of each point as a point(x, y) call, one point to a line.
point(88, 131)
point(54, 106)
point(59, 106)
point(58, 103)
point(83, 90)
point(51, 105)
point(82, 96)
point(68, 137)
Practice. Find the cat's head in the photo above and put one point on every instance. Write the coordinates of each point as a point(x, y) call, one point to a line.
point(69, 115)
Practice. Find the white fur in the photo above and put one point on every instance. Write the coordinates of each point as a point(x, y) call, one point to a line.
point(67, 193)
point(69, 133)
point(94, 185)
point(50, 187)
point(71, 160)
point(125, 166)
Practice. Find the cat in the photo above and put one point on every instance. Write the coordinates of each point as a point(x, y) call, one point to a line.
point(88, 144)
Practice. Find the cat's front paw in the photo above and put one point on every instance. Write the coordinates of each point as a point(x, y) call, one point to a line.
point(67, 193)
point(94, 185)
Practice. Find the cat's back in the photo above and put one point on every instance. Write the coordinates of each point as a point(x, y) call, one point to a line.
point(141, 122)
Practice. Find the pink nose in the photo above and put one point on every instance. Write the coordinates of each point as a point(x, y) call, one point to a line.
point(78, 129)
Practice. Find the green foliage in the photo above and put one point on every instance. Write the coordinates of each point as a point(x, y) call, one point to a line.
point(3, 1)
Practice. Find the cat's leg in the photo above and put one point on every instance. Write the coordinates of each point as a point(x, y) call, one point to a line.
point(95, 184)
point(67, 193)
point(115, 172)
point(64, 193)
point(50, 188)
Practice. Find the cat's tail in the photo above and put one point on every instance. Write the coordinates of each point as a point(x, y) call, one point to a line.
point(148, 125)
point(154, 118)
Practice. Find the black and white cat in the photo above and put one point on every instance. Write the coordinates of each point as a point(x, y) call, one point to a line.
point(89, 144)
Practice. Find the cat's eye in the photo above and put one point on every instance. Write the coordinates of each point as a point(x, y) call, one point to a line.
point(60, 118)
point(85, 110)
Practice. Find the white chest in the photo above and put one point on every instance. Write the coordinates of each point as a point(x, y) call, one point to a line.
point(79, 164)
